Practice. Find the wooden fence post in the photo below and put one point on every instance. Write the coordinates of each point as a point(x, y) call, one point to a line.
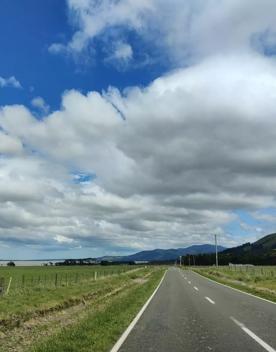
point(9, 286)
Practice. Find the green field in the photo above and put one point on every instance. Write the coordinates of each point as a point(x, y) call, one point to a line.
point(47, 306)
point(38, 289)
point(54, 276)
point(258, 280)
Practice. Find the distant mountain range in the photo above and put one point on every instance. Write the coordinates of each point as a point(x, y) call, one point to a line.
point(260, 252)
point(164, 254)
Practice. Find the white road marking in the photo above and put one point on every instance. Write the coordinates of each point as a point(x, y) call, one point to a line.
point(254, 336)
point(235, 289)
point(195, 288)
point(124, 336)
point(189, 282)
point(209, 300)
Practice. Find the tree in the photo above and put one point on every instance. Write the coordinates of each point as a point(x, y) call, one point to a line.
point(11, 264)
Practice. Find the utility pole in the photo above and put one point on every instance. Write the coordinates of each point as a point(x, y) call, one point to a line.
point(216, 245)
point(180, 260)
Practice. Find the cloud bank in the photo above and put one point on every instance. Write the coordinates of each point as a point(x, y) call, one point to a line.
point(172, 162)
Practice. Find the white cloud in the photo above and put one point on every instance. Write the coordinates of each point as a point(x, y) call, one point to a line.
point(56, 48)
point(194, 145)
point(63, 239)
point(123, 52)
point(184, 32)
point(170, 174)
point(39, 103)
point(10, 82)
point(10, 145)
point(92, 18)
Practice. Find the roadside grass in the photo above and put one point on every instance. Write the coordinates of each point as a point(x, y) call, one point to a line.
point(20, 305)
point(54, 276)
point(260, 281)
point(104, 323)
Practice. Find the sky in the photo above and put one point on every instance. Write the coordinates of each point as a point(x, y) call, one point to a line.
point(129, 125)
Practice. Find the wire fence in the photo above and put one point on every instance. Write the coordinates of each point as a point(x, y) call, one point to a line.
point(242, 272)
point(21, 283)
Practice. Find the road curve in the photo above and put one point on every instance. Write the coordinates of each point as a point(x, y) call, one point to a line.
point(190, 313)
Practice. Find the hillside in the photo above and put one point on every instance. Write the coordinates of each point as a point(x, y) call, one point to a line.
point(170, 254)
point(261, 252)
point(265, 245)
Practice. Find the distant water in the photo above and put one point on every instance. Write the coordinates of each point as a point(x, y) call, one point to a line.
point(29, 262)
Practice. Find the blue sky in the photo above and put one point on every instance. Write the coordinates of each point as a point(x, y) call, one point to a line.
point(28, 29)
point(130, 125)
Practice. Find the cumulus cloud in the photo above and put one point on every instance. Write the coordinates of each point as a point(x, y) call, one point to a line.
point(171, 172)
point(10, 82)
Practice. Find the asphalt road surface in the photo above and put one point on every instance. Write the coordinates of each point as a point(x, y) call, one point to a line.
point(192, 313)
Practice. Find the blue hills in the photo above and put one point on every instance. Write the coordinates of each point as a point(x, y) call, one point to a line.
point(156, 255)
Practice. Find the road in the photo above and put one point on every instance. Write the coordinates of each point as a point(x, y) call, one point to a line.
point(192, 313)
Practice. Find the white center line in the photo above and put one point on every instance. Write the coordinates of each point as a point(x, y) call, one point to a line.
point(189, 282)
point(185, 278)
point(195, 288)
point(255, 337)
point(210, 300)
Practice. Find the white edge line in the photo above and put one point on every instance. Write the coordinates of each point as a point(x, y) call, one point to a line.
point(124, 336)
point(235, 289)
point(210, 300)
point(254, 336)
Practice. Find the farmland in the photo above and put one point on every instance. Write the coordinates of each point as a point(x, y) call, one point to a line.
point(46, 302)
point(36, 288)
point(258, 280)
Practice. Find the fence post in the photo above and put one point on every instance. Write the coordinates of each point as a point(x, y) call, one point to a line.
point(56, 280)
point(95, 275)
point(9, 285)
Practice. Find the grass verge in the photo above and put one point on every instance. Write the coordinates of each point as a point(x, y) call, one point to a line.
point(103, 325)
point(22, 305)
point(263, 291)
